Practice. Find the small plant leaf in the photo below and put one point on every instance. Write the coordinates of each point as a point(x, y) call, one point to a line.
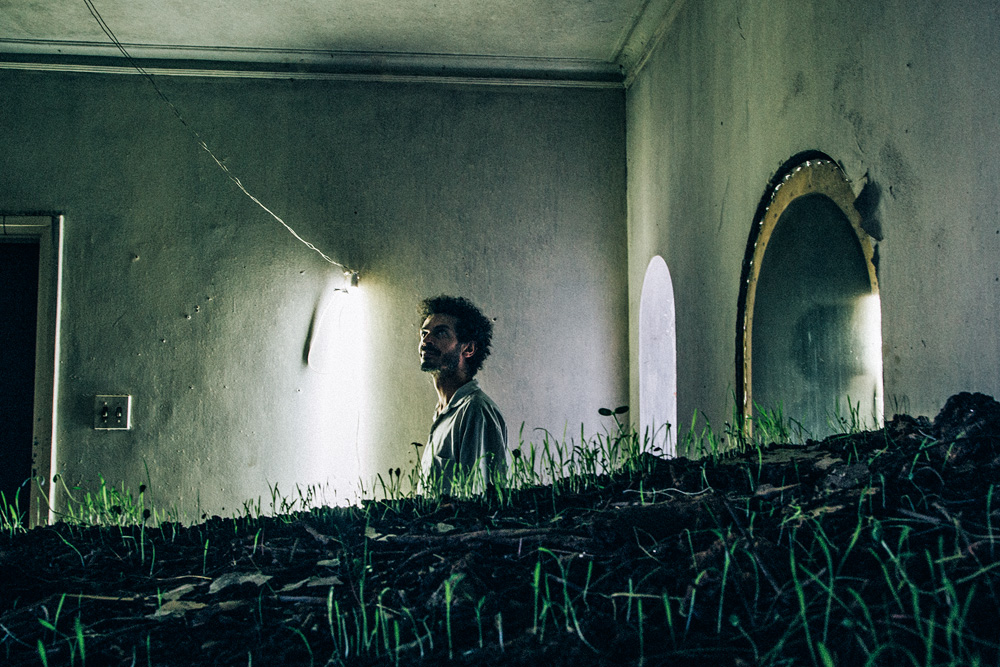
point(236, 578)
point(325, 581)
point(310, 582)
point(178, 593)
point(175, 608)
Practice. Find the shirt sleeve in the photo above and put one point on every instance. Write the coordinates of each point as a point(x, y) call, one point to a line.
point(483, 444)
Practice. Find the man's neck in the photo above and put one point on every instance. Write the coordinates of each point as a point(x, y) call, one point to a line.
point(447, 383)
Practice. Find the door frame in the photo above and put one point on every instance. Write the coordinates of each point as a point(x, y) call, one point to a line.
point(47, 230)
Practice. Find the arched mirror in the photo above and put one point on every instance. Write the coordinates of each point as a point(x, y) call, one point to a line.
point(811, 323)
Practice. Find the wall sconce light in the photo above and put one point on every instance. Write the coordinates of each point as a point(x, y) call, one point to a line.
point(351, 279)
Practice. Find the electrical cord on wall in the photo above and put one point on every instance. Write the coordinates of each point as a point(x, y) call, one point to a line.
point(201, 142)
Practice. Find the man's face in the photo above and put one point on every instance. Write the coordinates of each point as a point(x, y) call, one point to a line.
point(439, 346)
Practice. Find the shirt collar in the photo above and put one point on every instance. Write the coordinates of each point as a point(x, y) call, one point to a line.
point(463, 391)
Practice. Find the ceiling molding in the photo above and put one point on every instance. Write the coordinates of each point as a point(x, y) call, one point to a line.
point(229, 62)
point(647, 32)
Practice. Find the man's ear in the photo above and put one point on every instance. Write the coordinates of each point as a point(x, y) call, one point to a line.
point(469, 349)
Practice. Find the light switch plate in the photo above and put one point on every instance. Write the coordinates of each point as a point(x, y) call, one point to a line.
point(112, 413)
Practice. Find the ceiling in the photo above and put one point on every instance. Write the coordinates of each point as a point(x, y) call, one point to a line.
point(571, 40)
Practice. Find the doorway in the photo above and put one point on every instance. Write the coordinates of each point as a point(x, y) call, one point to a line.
point(30, 272)
point(18, 315)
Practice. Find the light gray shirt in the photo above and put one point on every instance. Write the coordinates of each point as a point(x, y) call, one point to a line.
point(468, 440)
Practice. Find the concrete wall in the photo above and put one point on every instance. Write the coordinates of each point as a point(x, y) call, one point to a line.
point(182, 292)
point(903, 92)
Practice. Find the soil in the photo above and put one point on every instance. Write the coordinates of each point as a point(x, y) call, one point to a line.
point(772, 556)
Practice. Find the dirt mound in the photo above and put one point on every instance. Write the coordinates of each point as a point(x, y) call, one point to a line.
point(866, 548)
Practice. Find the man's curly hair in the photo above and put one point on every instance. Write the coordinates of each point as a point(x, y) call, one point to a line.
point(470, 324)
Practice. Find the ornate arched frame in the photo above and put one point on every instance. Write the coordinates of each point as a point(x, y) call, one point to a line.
point(807, 174)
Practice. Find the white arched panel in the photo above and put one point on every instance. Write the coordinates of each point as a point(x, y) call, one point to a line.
point(658, 360)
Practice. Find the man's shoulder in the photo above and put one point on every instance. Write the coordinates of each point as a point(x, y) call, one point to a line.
point(477, 398)
point(480, 398)
point(481, 414)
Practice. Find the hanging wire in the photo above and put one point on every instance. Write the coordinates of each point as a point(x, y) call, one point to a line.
point(201, 142)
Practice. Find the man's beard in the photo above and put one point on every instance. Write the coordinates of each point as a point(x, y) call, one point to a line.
point(444, 362)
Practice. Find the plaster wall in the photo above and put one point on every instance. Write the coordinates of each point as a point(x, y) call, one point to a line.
point(183, 293)
point(903, 95)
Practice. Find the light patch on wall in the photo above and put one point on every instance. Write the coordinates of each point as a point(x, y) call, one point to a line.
point(336, 354)
point(868, 324)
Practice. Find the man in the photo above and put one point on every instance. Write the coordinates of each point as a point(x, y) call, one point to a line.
point(468, 439)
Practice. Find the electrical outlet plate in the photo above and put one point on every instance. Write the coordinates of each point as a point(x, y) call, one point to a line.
point(112, 413)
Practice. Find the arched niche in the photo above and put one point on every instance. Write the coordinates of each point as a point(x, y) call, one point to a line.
point(658, 360)
point(810, 340)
